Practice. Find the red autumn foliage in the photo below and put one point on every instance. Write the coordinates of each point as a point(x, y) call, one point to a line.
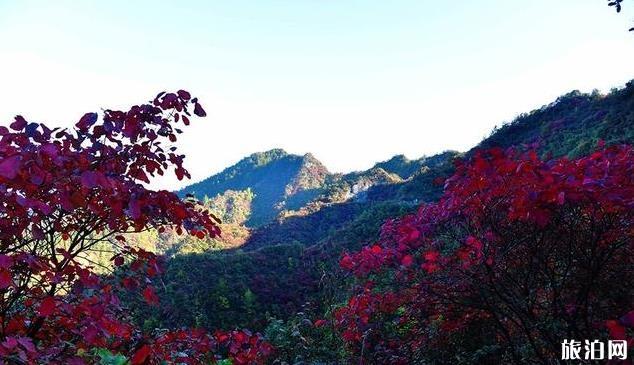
point(198, 347)
point(64, 191)
point(519, 254)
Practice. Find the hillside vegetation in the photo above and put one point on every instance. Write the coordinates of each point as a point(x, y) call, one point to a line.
point(287, 220)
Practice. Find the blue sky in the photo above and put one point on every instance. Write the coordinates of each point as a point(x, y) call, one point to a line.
point(353, 82)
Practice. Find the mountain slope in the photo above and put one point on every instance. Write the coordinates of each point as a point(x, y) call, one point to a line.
point(288, 192)
point(283, 262)
point(573, 124)
point(273, 177)
point(406, 168)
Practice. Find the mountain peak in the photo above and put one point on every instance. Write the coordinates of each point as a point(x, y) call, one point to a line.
point(265, 157)
point(275, 177)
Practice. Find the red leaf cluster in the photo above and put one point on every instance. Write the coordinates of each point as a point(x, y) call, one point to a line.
point(65, 191)
point(522, 251)
point(196, 346)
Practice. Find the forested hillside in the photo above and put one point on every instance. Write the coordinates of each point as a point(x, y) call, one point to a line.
point(277, 198)
point(286, 262)
point(331, 268)
point(573, 124)
point(274, 179)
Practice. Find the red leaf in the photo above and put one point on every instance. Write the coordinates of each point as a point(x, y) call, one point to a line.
point(10, 343)
point(181, 173)
point(150, 296)
point(118, 261)
point(10, 166)
point(407, 260)
point(432, 256)
point(320, 323)
point(430, 267)
point(184, 94)
point(199, 111)
point(346, 262)
point(5, 279)
point(141, 355)
point(47, 307)
point(19, 123)
point(221, 337)
point(86, 121)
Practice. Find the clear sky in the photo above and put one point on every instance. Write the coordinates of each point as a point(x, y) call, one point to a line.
point(353, 82)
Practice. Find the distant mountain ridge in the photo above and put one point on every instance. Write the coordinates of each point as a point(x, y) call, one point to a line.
point(271, 184)
point(270, 188)
point(405, 167)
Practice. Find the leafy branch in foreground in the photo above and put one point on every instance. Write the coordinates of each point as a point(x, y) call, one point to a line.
point(617, 4)
point(66, 192)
